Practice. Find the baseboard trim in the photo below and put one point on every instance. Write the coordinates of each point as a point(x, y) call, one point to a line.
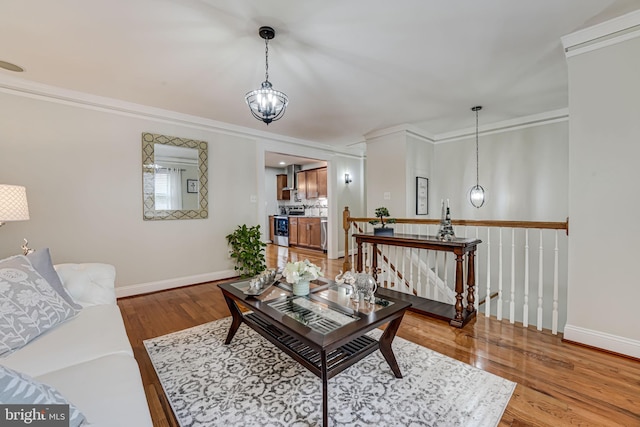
point(612, 343)
point(178, 282)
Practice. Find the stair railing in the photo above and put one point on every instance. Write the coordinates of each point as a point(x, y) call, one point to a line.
point(521, 266)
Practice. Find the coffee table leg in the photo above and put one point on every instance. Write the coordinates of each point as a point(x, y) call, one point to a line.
point(325, 406)
point(237, 319)
point(385, 345)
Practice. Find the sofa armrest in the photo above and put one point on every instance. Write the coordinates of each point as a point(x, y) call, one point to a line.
point(89, 283)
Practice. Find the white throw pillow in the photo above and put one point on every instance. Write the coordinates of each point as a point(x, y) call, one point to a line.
point(29, 306)
point(18, 388)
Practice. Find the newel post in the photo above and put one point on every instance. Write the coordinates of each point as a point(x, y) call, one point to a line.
point(346, 224)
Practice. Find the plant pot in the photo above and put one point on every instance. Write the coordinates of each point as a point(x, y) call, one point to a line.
point(301, 287)
point(383, 231)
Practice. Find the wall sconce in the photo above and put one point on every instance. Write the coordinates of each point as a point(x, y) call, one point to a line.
point(13, 203)
point(347, 178)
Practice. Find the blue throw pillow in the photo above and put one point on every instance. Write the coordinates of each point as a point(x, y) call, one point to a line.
point(18, 388)
point(41, 261)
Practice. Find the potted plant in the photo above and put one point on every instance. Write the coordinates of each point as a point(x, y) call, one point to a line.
point(383, 230)
point(247, 250)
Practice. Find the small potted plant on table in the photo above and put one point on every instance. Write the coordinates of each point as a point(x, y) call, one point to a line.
point(383, 230)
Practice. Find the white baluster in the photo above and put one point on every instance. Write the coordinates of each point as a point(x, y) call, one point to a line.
point(427, 284)
point(487, 305)
point(540, 282)
point(512, 302)
point(525, 308)
point(436, 255)
point(476, 262)
point(446, 272)
point(411, 271)
point(399, 285)
point(499, 313)
point(419, 273)
point(554, 327)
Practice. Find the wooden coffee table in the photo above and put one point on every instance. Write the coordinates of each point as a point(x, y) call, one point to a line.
point(323, 331)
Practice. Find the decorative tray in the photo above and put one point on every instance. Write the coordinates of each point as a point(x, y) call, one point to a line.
point(255, 292)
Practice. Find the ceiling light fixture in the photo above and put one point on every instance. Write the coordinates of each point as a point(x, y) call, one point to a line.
point(476, 195)
point(266, 104)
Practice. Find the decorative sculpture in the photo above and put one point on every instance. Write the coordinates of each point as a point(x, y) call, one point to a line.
point(445, 232)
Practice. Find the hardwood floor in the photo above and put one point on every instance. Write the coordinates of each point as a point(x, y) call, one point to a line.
point(558, 383)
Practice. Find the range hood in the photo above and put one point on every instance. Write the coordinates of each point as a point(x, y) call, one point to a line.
point(292, 181)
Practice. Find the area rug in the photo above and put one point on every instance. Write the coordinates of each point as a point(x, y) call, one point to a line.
point(252, 383)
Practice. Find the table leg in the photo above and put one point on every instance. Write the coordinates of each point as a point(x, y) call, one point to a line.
point(236, 315)
point(374, 261)
point(385, 344)
point(457, 321)
point(359, 257)
point(325, 385)
point(471, 281)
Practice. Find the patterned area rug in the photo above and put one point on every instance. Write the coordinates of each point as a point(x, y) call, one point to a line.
point(252, 383)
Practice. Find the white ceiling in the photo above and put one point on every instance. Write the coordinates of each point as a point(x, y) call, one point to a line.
point(348, 67)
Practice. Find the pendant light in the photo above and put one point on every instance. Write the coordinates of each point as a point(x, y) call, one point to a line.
point(266, 104)
point(476, 195)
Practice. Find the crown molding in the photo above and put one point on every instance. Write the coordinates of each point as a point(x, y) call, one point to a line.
point(601, 35)
point(406, 128)
point(546, 118)
point(29, 89)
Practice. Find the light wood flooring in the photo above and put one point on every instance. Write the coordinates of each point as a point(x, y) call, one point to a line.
point(558, 383)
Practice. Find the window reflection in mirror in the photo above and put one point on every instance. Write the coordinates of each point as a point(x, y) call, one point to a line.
point(174, 177)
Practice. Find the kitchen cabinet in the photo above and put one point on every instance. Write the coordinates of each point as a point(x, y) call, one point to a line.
point(281, 183)
point(293, 231)
point(271, 229)
point(301, 178)
point(322, 182)
point(312, 183)
point(309, 232)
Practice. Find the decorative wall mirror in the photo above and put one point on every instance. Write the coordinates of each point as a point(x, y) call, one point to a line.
point(174, 178)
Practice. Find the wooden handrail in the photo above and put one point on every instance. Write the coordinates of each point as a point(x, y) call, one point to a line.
point(550, 225)
point(547, 225)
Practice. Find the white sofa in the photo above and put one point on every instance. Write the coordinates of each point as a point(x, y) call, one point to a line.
point(88, 358)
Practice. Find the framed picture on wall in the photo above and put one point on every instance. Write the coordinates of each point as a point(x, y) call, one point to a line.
point(422, 196)
point(192, 186)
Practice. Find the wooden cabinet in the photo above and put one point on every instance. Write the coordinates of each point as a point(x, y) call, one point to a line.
point(322, 182)
point(312, 183)
point(271, 229)
point(309, 233)
point(281, 182)
point(293, 231)
point(301, 177)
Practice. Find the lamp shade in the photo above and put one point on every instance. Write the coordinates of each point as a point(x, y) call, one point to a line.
point(13, 203)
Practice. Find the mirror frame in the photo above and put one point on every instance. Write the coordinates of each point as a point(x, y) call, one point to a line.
point(150, 213)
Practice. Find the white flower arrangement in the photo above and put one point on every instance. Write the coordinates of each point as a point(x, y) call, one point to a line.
point(301, 270)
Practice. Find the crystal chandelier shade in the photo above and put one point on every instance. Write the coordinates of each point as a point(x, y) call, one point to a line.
point(267, 104)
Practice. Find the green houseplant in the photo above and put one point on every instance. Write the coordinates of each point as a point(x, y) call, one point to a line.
point(383, 230)
point(247, 250)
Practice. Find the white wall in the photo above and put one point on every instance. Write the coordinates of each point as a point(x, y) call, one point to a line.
point(524, 173)
point(386, 173)
point(603, 200)
point(82, 170)
point(420, 157)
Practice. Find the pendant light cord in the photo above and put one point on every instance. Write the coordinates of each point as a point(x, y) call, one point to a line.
point(477, 156)
point(266, 59)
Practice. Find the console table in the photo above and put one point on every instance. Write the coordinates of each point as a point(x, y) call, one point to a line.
point(461, 247)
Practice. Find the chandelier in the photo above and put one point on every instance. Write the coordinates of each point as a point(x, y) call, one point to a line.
point(476, 195)
point(266, 104)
